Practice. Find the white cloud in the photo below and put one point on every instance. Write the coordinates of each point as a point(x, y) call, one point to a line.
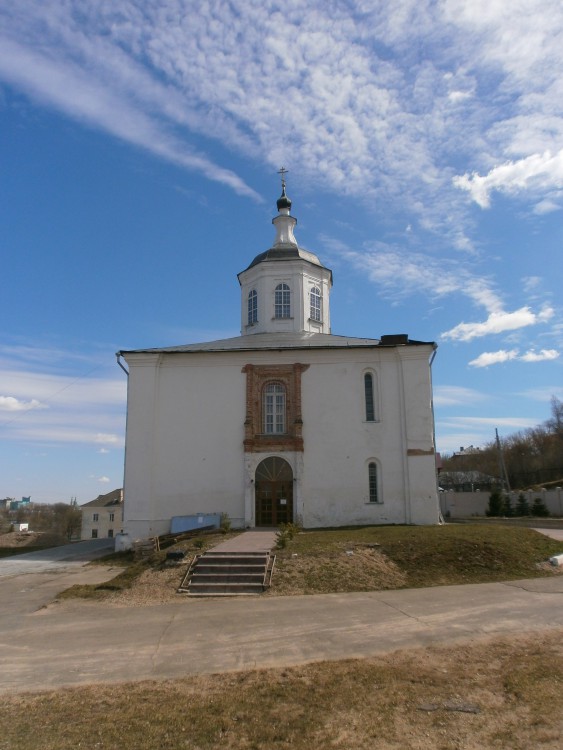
point(498, 322)
point(541, 356)
point(376, 100)
point(104, 480)
point(86, 95)
point(51, 387)
point(60, 405)
point(9, 403)
point(399, 273)
point(494, 358)
point(540, 172)
point(516, 423)
point(547, 206)
point(106, 438)
point(531, 283)
point(543, 394)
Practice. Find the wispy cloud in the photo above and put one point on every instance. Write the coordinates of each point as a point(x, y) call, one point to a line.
point(374, 99)
point(400, 273)
point(544, 393)
point(49, 405)
point(514, 423)
point(451, 395)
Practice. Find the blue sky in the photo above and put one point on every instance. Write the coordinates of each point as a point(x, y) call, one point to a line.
point(139, 145)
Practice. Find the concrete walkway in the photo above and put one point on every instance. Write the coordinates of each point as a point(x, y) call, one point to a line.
point(249, 541)
point(77, 643)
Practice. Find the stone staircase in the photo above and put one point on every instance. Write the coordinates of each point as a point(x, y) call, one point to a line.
point(228, 574)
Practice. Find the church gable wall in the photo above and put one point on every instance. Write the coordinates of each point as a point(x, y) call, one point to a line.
point(195, 419)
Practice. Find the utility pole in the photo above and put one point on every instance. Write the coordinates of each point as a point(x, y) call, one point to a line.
point(501, 464)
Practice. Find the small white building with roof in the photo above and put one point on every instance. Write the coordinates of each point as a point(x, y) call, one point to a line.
point(286, 422)
point(103, 517)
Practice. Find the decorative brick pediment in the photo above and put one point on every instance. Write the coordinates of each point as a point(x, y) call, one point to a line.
point(257, 377)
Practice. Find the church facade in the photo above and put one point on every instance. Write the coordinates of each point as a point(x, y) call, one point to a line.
point(286, 422)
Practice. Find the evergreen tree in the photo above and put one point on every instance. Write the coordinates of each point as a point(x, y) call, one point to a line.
point(507, 509)
point(539, 508)
point(522, 506)
point(496, 504)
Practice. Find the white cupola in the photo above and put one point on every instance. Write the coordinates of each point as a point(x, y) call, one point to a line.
point(285, 288)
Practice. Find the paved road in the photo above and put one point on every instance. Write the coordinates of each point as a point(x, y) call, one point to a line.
point(61, 559)
point(77, 642)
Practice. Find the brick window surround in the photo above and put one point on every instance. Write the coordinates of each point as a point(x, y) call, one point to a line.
point(257, 376)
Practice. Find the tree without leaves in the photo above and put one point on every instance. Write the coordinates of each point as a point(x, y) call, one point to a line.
point(532, 457)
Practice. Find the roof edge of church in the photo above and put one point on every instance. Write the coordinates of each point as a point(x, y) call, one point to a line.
point(251, 342)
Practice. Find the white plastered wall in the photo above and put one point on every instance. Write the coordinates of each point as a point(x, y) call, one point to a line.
point(185, 434)
point(300, 276)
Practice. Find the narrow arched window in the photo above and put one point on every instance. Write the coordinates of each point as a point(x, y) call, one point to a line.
point(370, 404)
point(273, 408)
point(282, 305)
point(252, 307)
point(372, 474)
point(315, 299)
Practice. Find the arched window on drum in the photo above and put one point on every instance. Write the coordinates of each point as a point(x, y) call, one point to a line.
point(315, 304)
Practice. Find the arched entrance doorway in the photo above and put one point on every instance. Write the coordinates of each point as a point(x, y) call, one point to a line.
point(274, 492)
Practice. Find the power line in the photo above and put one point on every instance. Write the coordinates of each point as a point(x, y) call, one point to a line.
point(50, 398)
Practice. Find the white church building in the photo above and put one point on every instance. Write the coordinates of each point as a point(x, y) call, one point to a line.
point(286, 422)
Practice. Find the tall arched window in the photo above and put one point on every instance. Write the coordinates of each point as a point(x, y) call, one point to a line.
point(315, 299)
point(252, 307)
point(369, 396)
point(372, 474)
point(273, 409)
point(282, 305)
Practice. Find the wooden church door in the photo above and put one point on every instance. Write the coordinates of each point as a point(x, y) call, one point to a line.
point(274, 492)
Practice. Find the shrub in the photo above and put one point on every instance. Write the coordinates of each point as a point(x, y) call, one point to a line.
point(225, 523)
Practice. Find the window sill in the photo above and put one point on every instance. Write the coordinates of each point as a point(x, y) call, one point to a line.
point(289, 318)
point(377, 502)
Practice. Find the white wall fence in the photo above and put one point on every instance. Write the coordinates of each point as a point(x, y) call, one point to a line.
point(464, 504)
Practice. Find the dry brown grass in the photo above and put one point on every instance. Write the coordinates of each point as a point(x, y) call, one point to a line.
point(505, 693)
point(336, 571)
point(372, 558)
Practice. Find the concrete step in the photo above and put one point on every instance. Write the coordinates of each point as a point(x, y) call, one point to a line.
point(226, 578)
point(227, 573)
point(228, 568)
point(233, 559)
point(214, 589)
